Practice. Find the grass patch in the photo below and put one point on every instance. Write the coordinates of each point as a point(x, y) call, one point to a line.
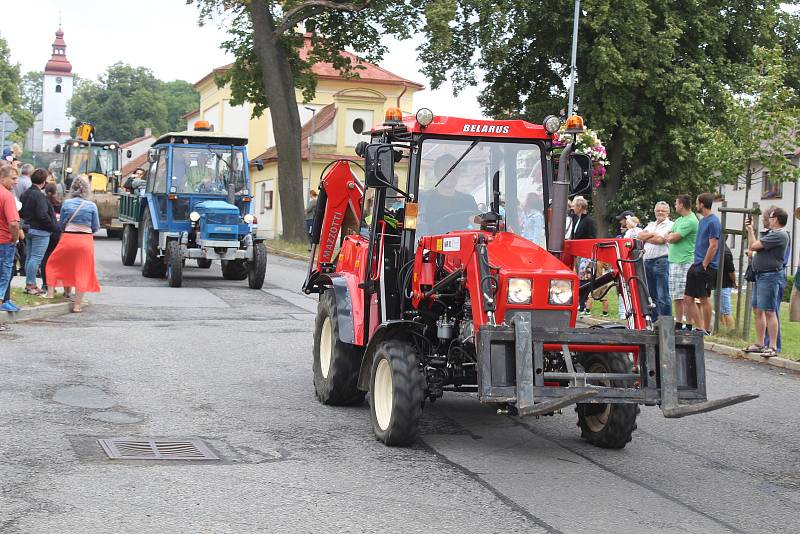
point(790, 332)
point(23, 300)
point(288, 246)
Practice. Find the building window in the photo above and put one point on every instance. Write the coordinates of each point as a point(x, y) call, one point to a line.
point(58, 88)
point(266, 200)
point(357, 120)
point(770, 188)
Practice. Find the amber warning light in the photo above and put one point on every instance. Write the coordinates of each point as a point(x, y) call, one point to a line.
point(393, 116)
point(575, 124)
point(202, 126)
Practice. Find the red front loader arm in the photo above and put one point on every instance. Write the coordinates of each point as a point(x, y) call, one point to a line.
point(339, 204)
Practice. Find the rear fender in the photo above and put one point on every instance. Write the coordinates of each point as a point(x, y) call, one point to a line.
point(344, 308)
point(387, 330)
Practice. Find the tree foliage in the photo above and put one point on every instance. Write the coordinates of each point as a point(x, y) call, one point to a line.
point(648, 72)
point(126, 100)
point(760, 128)
point(31, 91)
point(269, 66)
point(10, 100)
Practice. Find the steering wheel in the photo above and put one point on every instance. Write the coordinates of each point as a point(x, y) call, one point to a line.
point(447, 221)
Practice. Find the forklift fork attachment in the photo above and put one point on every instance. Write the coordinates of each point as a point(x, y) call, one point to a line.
point(556, 404)
point(682, 410)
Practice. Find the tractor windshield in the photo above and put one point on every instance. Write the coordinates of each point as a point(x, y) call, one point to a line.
point(86, 159)
point(207, 170)
point(455, 185)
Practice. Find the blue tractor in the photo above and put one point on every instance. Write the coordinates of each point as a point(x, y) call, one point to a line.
point(194, 204)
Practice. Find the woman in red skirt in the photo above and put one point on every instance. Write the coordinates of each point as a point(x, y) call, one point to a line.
point(72, 262)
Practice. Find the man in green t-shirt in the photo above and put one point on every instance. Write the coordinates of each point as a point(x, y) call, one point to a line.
point(681, 242)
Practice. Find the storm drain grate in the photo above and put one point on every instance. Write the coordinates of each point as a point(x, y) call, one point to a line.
point(156, 449)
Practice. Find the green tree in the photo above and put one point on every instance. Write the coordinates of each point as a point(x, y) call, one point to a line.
point(125, 101)
point(648, 72)
point(268, 68)
point(180, 98)
point(10, 100)
point(31, 91)
point(760, 128)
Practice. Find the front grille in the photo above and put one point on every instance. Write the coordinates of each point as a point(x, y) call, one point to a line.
point(222, 218)
point(542, 318)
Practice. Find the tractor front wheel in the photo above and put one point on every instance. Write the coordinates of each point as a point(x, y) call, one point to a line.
point(608, 425)
point(397, 391)
point(234, 269)
point(174, 264)
point(130, 245)
point(257, 267)
point(336, 364)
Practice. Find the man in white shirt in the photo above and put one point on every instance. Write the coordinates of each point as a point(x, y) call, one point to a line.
point(656, 263)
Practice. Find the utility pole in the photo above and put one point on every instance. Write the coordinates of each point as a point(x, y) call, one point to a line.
point(574, 54)
point(311, 146)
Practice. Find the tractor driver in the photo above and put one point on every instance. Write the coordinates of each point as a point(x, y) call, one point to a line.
point(444, 207)
point(199, 177)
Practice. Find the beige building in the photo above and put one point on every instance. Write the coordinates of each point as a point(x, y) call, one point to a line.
point(339, 106)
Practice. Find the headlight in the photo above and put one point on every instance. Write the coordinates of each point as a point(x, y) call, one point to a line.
point(249, 218)
point(519, 291)
point(194, 216)
point(424, 117)
point(551, 123)
point(560, 292)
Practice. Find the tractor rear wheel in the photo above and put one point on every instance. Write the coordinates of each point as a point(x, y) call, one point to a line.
point(397, 391)
point(174, 264)
point(130, 244)
point(257, 267)
point(608, 425)
point(152, 265)
point(234, 269)
point(336, 364)
point(204, 263)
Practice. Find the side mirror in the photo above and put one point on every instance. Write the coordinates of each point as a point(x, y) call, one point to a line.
point(57, 149)
point(580, 174)
point(128, 153)
point(152, 155)
point(379, 164)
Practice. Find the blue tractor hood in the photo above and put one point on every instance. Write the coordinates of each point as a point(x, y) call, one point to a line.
point(216, 206)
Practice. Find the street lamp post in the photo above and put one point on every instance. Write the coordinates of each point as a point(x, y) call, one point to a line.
point(311, 146)
point(574, 54)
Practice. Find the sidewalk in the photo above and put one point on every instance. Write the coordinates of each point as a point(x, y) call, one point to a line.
point(30, 313)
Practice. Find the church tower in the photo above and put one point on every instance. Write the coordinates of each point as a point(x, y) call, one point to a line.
point(56, 92)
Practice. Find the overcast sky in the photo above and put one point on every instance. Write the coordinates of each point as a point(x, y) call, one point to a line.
point(163, 36)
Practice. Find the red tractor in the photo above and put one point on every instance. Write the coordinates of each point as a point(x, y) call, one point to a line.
point(458, 278)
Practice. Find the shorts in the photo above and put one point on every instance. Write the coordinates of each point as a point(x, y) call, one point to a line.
point(677, 279)
point(699, 282)
point(768, 285)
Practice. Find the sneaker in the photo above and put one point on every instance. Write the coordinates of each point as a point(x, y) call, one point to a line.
point(605, 314)
point(9, 306)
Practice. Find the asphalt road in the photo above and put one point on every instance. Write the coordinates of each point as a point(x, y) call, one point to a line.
point(217, 361)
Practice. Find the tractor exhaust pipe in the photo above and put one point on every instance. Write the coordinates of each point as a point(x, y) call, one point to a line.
point(560, 192)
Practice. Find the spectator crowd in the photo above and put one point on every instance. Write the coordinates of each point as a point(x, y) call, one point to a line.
point(42, 237)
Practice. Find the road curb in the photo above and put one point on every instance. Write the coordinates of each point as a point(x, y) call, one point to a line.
point(286, 254)
point(726, 350)
point(39, 312)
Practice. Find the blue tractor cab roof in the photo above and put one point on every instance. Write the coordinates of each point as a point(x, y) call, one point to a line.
point(200, 138)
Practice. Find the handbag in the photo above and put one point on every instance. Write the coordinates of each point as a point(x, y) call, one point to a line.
point(750, 274)
point(76, 228)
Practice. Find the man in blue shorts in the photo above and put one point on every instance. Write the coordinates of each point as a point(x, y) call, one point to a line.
point(702, 275)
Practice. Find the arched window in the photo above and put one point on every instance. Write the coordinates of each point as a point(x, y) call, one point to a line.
point(58, 88)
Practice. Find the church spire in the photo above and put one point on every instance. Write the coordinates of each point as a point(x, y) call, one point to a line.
point(58, 63)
